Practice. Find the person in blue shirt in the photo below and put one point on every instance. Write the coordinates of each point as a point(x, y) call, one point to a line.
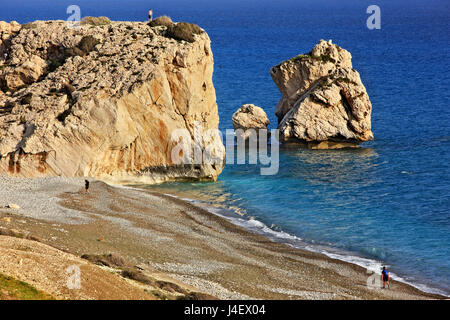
point(385, 277)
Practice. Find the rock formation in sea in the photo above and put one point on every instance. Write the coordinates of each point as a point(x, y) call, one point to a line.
point(102, 100)
point(249, 116)
point(324, 103)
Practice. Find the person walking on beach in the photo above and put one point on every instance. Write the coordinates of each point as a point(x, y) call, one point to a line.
point(385, 277)
point(86, 186)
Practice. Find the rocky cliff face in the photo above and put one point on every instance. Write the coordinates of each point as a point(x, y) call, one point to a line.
point(103, 100)
point(324, 103)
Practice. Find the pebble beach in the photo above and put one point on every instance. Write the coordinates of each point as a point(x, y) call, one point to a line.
point(170, 237)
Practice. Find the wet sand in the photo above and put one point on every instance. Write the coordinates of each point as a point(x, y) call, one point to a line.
point(169, 237)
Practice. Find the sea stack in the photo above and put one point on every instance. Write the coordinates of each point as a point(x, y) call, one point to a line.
point(324, 103)
point(103, 100)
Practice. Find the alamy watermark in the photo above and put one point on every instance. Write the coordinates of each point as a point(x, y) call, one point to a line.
point(373, 280)
point(206, 147)
point(374, 20)
point(74, 19)
point(74, 279)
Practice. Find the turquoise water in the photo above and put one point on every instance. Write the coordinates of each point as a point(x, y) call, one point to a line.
point(388, 201)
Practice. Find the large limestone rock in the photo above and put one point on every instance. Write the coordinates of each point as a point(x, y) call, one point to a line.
point(103, 101)
point(324, 103)
point(249, 116)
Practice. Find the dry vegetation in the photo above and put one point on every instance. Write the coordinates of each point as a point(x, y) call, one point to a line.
point(95, 21)
point(161, 21)
point(183, 31)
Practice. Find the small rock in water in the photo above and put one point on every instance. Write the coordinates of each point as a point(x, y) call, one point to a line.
point(13, 206)
point(250, 117)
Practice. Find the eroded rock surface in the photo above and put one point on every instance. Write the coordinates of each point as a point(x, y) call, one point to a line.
point(324, 103)
point(103, 101)
point(249, 116)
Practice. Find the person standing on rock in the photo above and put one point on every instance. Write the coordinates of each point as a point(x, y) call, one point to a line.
point(385, 277)
point(86, 186)
point(150, 15)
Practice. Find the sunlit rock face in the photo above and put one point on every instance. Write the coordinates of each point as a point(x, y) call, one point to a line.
point(324, 103)
point(103, 101)
point(250, 119)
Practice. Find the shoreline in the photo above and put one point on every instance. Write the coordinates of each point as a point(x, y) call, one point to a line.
point(351, 257)
point(323, 253)
point(168, 235)
point(260, 228)
point(344, 256)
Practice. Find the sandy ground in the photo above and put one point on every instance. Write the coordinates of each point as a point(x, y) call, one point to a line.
point(46, 268)
point(171, 239)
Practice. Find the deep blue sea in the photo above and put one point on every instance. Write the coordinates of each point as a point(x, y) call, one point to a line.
point(385, 203)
